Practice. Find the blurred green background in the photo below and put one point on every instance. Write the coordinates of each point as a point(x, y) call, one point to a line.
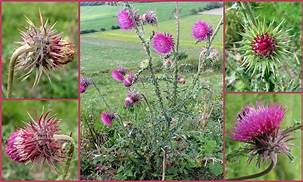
point(237, 164)
point(14, 116)
point(64, 82)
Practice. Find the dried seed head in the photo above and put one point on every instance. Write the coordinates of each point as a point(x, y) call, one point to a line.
point(35, 142)
point(48, 52)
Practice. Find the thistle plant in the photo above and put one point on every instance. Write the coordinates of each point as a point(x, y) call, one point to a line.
point(259, 128)
point(261, 52)
point(40, 141)
point(168, 107)
point(42, 50)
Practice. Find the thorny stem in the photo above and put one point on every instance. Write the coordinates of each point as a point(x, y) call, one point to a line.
point(150, 66)
point(11, 69)
point(69, 154)
point(176, 52)
point(266, 171)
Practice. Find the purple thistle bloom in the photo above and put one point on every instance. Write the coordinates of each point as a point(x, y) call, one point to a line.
point(260, 128)
point(119, 73)
point(163, 43)
point(201, 30)
point(11, 149)
point(84, 83)
point(259, 121)
point(150, 17)
point(131, 99)
point(129, 79)
point(36, 142)
point(125, 20)
point(124, 76)
point(107, 118)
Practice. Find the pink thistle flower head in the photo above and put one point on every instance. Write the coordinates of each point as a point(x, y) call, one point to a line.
point(201, 30)
point(48, 50)
point(263, 45)
point(107, 118)
point(119, 73)
point(84, 83)
point(150, 17)
point(163, 43)
point(132, 99)
point(129, 79)
point(255, 122)
point(36, 142)
point(125, 20)
point(260, 127)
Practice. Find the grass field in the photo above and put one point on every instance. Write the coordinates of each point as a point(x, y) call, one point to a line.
point(91, 15)
point(13, 20)
point(15, 115)
point(285, 169)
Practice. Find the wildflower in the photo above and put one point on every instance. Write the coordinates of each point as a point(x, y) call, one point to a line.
point(48, 50)
point(124, 76)
point(163, 43)
point(125, 20)
point(84, 83)
point(263, 47)
point(132, 98)
point(260, 127)
point(119, 73)
point(129, 79)
point(181, 79)
point(107, 118)
point(150, 17)
point(36, 142)
point(201, 30)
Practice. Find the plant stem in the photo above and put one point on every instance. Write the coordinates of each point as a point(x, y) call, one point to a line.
point(164, 163)
point(69, 154)
point(266, 171)
point(11, 68)
point(150, 66)
point(176, 53)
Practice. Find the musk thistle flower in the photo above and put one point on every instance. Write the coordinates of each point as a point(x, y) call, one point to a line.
point(107, 118)
point(84, 83)
point(126, 20)
point(263, 47)
point(132, 99)
point(124, 75)
point(259, 127)
point(163, 43)
point(38, 141)
point(46, 50)
point(201, 30)
point(150, 17)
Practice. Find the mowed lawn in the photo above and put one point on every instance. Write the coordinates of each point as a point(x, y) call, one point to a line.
point(103, 51)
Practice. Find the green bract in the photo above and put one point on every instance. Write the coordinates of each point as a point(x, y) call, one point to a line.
point(264, 47)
